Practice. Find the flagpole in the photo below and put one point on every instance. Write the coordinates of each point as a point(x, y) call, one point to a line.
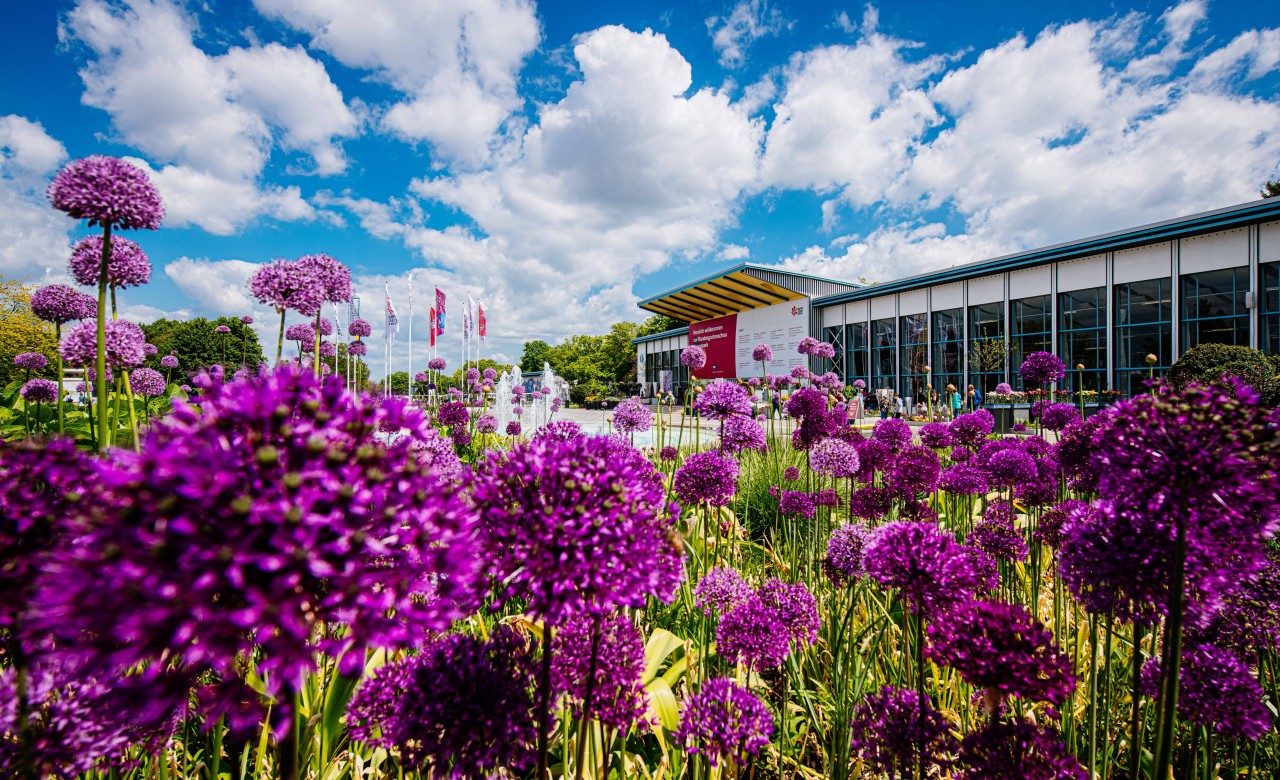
point(410, 369)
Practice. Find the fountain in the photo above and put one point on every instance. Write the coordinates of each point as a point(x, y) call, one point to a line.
point(502, 399)
point(541, 410)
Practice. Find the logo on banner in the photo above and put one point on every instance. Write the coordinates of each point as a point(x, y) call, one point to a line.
point(796, 311)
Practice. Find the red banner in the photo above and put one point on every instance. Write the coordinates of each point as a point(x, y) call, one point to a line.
point(433, 326)
point(718, 338)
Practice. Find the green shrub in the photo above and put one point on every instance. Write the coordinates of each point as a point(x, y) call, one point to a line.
point(1214, 362)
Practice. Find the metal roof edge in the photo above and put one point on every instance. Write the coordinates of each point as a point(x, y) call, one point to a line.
point(777, 270)
point(664, 334)
point(1180, 227)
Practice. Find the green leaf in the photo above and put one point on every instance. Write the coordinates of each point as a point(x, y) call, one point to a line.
point(662, 704)
point(661, 644)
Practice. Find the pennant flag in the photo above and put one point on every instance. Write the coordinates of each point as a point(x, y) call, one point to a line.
point(433, 326)
point(393, 322)
point(411, 300)
point(482, 322)
point(337, 320)
point(467, 324)
point(439, 311)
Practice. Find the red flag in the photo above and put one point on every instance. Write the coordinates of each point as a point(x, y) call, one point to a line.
point(433, 326)
point(481, 322)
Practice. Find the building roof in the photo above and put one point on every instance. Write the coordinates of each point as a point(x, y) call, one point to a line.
point(740, 288)
point(1250, 213)
point(664, 334)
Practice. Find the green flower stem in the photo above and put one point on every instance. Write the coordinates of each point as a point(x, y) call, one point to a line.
point(1171, 661)
point(280, 339)
point(57, 330)
point(101, 360)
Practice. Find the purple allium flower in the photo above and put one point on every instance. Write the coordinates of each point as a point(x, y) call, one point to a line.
point(284, 285)
point(246, 320)
point(722, 399)
point(455, 392)
point(453, 414)
point(1041, 368)
point(762, 353)
point(797, 504)
point(59, 304)
point(30, 361)
point(893, 432)
point(128, 265)
point(362, 328)
point(222, 330)
point(75, 725)
point(302, 331)
point(185, 388)
point(928, 566)
point(871, 503)
point(709, 477)
point(357, 349)
point(796, 609)
point(472, 375)
point(79, 346)
point(1074, 451)
point(1217, 690)
point(577, 525)
point(421, 376)
point(1002, 648)
point(1004, 749)
point(824, 350)
point(1003, 388)
point(461, 437)
point(843, 563)
point(693, 356)
point(107, 191)
point(915, 471)
point(970, 429)
point(332, 526)
point(611, 646)
point(800, 373)
point(752, 633)
point(461, 703)
point(964, 480)
point(326, 327)
point(435, 364)
point(936, 436)
point(891, 733)
point(1011, 466)
point(669, 454)
point(807, 345)
point(328, 349)
point(721, 590)
point(435, 451)
point(513, 428)
point(1049, 528)
point(150, 349)
point(835, 458)
point(632, 416)
point(147, 382)
point(168, 361)
point(828, 497)
point(791, 473)
point(487, 423)
point(1055, 417)
point(560, 430)
point(1251, 620)
point(805, 403)
point(1019, 427)
point(742, 433)
point(724, 722)
point(859, 384)
point(1200, 458)
point(490, 375)
point(331, 278)
point(996, 535)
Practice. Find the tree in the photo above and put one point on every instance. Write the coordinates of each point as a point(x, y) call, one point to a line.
point(21, 331)
point(535, 354)
point(1271, 189)
point(659, 323)
point(1215, 362)
point(199, 346)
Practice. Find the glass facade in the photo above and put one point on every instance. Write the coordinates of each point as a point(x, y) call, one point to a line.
point(987, 354)
point(835, 337)
point(884, 366)
point(1030, 322)
point(1213, 308)
point(914, 330)
point(668, 360)
point(1082, 338)
point(948, 346)
point(1269, 308)
point(1144, 313)
point(855, 360)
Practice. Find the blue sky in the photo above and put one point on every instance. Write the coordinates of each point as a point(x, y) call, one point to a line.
point(560, 160)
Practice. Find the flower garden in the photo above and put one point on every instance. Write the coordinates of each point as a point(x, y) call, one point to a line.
point(266, 573)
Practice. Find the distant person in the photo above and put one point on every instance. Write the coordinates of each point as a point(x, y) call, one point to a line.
point(957, 401)
point(975, 399)
point(899, 407)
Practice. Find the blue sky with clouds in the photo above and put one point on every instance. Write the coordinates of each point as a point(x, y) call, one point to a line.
point(560, 160)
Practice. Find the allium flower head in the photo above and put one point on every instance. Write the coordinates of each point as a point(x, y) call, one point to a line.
point(276, 510)
point(284, 285)
point(124, 342)
point(870, 502)
point(128, 265)
point(1041, 368)
point(246, 320)
point(914, 472)
point(487, 423)
point(168, 361)
point(762, 353)
point(893, 729)
point(357, 349)
point(328, 349)
point(1011, 466)
point(963, 479)
point(709, 477)
point(796, 608)
point(453, 414)
point(326, 327)
point(222, 330)
point(824, 351)
point(331, 278)
point(835, 458)
point(929, 567)
point(753, 634)
point(611, 646)
point(109, 192)
point(1002, 648)
point(59, 304)
point(800, 373)
point(805, 403)
point(791, 473)
point(1218, 690)
point(461, 703)
point(578, 525)
point(742, 433)
point(560, 430)
point(722, 399)
point(490, 375)
point(362, 328)
point(797, 504)
point(302, 331)
point(1004, 749)
point(845, 548)
point(150, 349)
point(693, 356)
point(724, 722)
point(807, 345)
point(669, 454)
point(513, 428)
point(147, 382)
point(893, 432)
point(720, 590)
point(1057, 416)
point(30, 361)
point(936, 436)
point(970, 429)
point(631, 416)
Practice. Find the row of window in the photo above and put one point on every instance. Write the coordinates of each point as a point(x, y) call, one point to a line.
point(667, 360)
point(894, 354)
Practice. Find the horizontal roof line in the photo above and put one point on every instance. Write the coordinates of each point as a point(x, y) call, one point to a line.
point(664, 334)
